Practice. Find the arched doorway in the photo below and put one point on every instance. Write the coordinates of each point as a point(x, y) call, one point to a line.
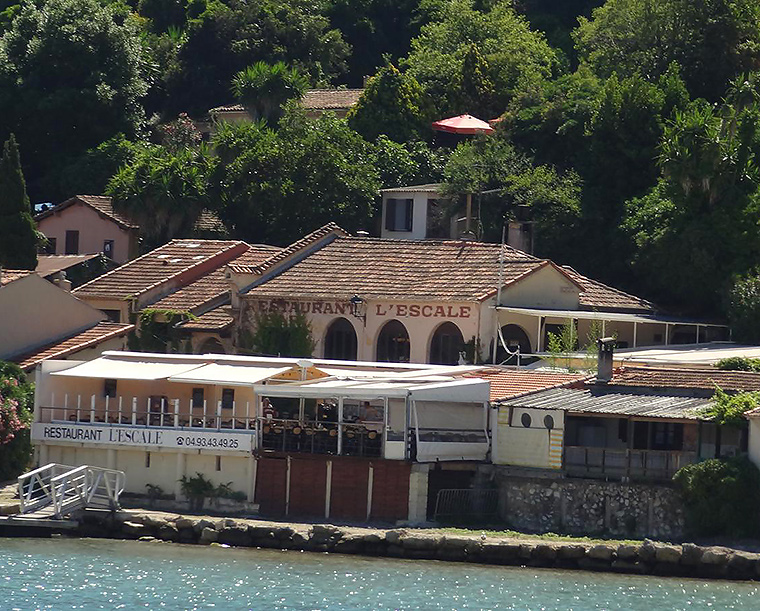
point(393, 343)
point(212, 346)
point(515, 338)
point(446, 344)
point(340, 341)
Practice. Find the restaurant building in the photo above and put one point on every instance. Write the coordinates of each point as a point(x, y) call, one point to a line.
point(332, 439)
point(439, 301)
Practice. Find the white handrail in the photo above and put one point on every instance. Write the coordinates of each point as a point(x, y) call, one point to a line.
point(68, 488)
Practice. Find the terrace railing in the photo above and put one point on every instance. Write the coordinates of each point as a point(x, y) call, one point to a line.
point(660, 465)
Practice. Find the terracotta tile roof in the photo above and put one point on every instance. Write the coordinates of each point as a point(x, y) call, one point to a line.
point(600, 296)
point(331, 99)
point(511, 383)
point(11, 275)
point(209, 221)
point(86, 339)
point(697, 379)
point(101, 204)
point(213, 285)
point(180, 261)
point(242, 267)
point(213, 320)
point(313, 99)
point(377, 268)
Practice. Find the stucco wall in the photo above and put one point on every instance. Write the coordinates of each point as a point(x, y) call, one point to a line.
point(419, 216)
point(34, 312)
point(532, 446)
point(93, 231)
point(545, 288)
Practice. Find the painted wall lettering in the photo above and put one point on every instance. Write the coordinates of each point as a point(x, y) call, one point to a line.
point(391, 310)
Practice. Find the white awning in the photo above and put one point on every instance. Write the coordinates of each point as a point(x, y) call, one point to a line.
point(608, 316)
point(126, 369)
point(229, 375)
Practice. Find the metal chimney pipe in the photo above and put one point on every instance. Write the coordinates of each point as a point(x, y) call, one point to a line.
point(606, 347)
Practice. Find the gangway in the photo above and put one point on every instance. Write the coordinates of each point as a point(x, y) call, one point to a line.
point(57, 490)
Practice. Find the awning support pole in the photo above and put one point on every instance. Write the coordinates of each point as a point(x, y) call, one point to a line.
point(635, 325)
point(497, 322)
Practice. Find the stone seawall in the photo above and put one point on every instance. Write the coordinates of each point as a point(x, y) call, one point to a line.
point(647, 557)
point(590, 507)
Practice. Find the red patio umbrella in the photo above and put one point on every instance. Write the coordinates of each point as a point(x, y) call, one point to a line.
point(463, 124)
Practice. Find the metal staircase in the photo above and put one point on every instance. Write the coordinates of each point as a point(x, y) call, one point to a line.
point(55, 490)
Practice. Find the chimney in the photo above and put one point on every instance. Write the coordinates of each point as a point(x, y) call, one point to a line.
point(520, 233)
point(604, 366)
point(62, 282)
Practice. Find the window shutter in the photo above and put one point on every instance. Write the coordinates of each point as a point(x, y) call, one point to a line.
point(409, 209)
point(390, 214)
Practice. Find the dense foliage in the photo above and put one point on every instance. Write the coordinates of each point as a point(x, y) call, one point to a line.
point(738, 363)
point(729, 409)
point(736, 482)
point(18, 238)
point(628, 129)
point(16, 406)
point(277, 334)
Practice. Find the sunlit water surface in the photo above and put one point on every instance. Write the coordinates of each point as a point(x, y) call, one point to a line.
point(105, 574)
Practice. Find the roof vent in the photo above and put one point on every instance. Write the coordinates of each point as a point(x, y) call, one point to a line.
point(362, 234)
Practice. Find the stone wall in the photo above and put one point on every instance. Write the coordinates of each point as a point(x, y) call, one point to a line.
point(589, 507)
point(647, 557)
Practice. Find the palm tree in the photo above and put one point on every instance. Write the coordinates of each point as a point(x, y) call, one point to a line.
point(264, 88)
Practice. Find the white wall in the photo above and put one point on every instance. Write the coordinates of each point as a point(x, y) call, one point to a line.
point(419, 215)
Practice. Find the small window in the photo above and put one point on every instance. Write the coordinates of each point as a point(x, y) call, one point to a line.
point(398, 214)
point(113, 315)
point(51, 246)
point(197, 397)
point(228, 398)
point(72, 242)
point(108, 248)
point(218, 463)
point(549, 422)
point(147, 460)
point(109, 388)
point(526, 420)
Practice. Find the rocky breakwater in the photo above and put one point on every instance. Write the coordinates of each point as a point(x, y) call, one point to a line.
point(648, 557)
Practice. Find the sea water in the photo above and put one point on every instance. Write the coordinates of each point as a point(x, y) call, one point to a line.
point(65, 573)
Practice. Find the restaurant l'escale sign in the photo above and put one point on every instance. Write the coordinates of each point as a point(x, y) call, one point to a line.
point(144, 437)
point(393, 310)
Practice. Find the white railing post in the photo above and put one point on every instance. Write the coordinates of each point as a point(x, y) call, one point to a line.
point(66, 407)
point(219, 415)
point(147, 412)
point(79, 406)
point(204, 413)
point(134, 411)
point(234, 414)
point(176, 413)
point(52, 404)
point(92, 409)
point(107, 418)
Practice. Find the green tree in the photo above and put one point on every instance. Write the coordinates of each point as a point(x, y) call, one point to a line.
point(232, 34)
point(71, 76)
point(510, 57)
point(275, 186)
point(712, 40)
point(744, 310)
point(393, 104)
point(90, 172)
point(18, 236)
point(264, 88)
point(164, 191)
point(515, 185)
point(276, 334)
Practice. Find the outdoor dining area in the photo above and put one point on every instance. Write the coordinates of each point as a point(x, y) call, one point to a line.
point(323, 427)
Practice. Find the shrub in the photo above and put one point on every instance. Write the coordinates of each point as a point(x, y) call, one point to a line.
point(729, 410)
point(722, 497)
point(738, 363)
point(16, 404)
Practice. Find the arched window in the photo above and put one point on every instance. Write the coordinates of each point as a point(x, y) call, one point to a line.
point(212, 346)
point(446, 344)
point(340, 341)
point(393, 343)
point(514, 338)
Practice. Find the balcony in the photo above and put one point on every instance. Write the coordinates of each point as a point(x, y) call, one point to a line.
point(640, 465)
